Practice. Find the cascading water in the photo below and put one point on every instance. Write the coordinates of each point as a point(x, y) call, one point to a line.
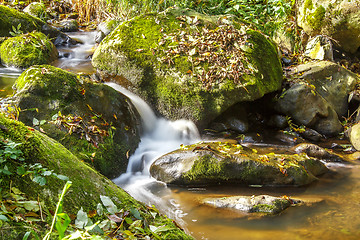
point(160, 137)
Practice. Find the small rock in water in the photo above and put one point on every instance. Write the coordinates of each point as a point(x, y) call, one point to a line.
point(316, 151)
point(252, 204)
point(312, 135)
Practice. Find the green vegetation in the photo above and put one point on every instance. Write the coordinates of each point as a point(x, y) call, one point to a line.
point(27, 49)
point(27, 206)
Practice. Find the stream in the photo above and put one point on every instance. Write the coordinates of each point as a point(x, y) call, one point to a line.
point(335, 214)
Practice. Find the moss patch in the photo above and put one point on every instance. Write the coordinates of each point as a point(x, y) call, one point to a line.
point(137, 50)
point(87, 184)
point(95, 122)
point(315, 19)
point(27, 50)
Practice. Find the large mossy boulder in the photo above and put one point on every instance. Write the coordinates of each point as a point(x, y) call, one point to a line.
point(319, 95)
point(95, 122)
point(11, 18)
point(223, 163)
point(189, 65)
point(28, 49)
point(338, 19)
point(85, 193)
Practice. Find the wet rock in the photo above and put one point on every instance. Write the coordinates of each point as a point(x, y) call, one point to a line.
point(337, 19)
point(28, 49)
point(250, 138)
point(95, 122)
point(289, 138)
point(108, 26)
point(99, 36)
point(316, 151)
point(311, 134)
point(252, 204)
point(175, 85)
point(320, 48)
point(220, 163)
point(67, 25)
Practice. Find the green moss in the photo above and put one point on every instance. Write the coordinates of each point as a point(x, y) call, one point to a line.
point(206, 168)
point(133, 51)
point(263, 208)
point(37, 9)
point(308, 4)
point(315, 19)
point(10, 17)
point(27, 50)
point(87, 184)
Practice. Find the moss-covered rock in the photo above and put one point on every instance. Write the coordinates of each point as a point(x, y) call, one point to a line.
point(182, 83)
point(37, 9)
point(10, 18)
point(87, 184)
point(95, 122)
point(338, 19)
point(28, 49)
point(220, 162)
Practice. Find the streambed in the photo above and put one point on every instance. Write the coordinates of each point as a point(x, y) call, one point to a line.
point(335, 216)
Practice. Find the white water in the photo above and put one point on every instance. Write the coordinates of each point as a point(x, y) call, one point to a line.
point(160, 137)
point(77, 58)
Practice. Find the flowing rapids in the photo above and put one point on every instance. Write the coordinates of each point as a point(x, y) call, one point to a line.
point(160, 137)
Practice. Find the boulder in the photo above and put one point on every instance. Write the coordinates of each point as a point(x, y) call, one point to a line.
point(95, 122)
point(28, 49)
point(36, 9)
point(319, 47)
point(223, 163)
point(189, 65)
point(354, 136)
point(10, 18)
point(306, 107)
point(319, 96)
point(86, 192)
point(338, 19)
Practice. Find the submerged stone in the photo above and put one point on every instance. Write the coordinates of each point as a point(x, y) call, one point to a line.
point(27, 49)
point(252, 204)
point(168, 59)
point(210, 163)
point(95, 122)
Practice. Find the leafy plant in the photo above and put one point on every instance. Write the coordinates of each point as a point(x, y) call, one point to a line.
point(16, 31)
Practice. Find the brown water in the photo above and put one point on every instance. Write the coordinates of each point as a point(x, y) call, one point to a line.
point(336, 214)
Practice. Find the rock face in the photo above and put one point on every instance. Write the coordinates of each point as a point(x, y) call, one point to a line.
point(316, 151)
point(251, 204)
point(354, 136)
point(87, 184)
point(338, 19)
point(170, 60)
point(95, 122)
point(220, 162)
point(11, 18)
point(27, 49)
point(320, 48)
point(319, 96)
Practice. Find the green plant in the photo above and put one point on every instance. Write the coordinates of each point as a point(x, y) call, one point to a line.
point(16, 31)
point(12, 160)
point(60, 220)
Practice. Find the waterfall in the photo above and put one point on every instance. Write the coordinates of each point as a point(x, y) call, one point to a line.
point(160, 137)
